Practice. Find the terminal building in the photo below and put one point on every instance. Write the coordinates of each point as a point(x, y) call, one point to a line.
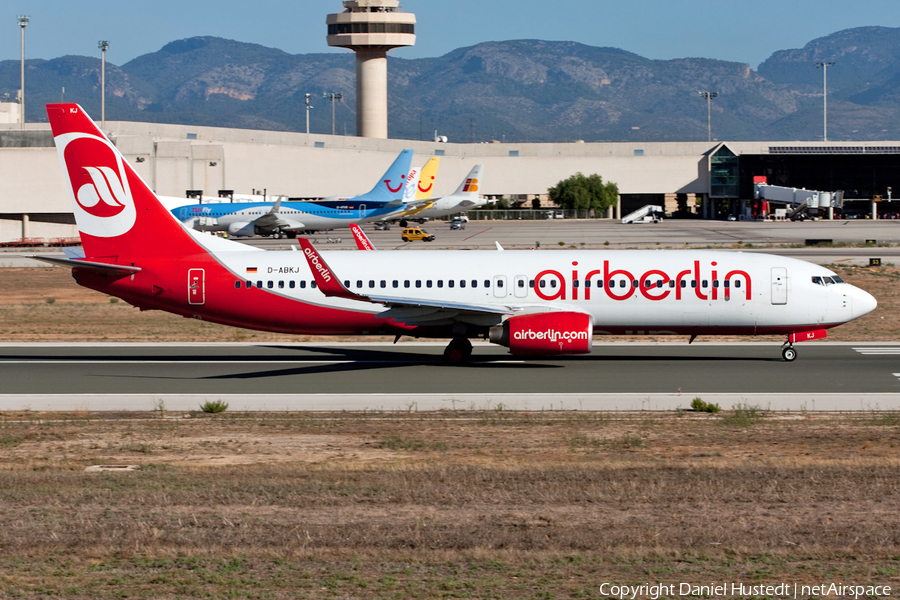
point(707, 180)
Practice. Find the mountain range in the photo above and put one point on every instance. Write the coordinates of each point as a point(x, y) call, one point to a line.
point(520, 90)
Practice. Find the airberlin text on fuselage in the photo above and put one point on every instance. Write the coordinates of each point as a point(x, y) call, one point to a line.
point(647, 284)
point(314, 261)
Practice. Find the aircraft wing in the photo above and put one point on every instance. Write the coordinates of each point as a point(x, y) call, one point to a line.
point(413, 311)
point(412, 208)
point(273, 220)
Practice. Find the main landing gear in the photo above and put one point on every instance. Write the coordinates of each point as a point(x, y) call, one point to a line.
point(458, 351)
point(787, 352)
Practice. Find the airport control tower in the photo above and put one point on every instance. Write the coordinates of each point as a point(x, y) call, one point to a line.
point(371, 28)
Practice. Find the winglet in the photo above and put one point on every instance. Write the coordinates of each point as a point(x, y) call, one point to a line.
point(326, 279)
point(362, 241)
point(277, 206)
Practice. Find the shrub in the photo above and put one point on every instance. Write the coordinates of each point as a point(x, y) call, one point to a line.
point(214, 406)
point(700, 406)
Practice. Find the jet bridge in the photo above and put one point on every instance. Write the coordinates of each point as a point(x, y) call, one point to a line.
point(798, 201)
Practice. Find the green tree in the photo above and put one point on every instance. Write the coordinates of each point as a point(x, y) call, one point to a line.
point(580, 192)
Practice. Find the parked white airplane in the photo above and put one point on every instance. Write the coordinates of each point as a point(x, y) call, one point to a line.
point(534, 302)
point(466, 197)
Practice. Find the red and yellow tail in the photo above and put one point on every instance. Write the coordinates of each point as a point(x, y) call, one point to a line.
point(119, 217)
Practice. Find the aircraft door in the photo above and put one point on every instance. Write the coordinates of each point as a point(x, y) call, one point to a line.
point(362, 211)
point(196, 286)
point(500, 286)
point(520, 286)
point(779, 285)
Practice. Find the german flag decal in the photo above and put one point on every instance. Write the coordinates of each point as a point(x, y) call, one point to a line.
point(251, 269)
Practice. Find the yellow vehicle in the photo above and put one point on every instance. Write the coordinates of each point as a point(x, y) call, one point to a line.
point(411, 234)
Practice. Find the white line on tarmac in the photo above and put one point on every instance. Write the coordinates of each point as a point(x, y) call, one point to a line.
point(794, 403)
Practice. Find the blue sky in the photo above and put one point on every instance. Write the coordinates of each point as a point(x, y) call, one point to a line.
point(746, 32)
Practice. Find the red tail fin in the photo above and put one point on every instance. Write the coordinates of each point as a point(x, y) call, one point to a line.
point(118, 216)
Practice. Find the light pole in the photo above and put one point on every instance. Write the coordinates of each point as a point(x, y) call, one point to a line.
point(824, 66)
point(332, 97)
point(709, 96)
point(103, 45)
point(308, 106)
point(23, 22)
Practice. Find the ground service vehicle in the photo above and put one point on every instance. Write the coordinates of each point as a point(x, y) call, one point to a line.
point(412, 234)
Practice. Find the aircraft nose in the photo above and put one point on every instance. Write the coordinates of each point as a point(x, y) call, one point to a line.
point(863, 303)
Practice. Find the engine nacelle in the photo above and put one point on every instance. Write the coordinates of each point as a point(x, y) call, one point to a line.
point(241, 229)
point(545, 334)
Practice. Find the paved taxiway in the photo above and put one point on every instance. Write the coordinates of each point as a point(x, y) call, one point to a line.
point(629, 376)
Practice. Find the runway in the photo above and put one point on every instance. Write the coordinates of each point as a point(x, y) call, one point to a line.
point(412, 376)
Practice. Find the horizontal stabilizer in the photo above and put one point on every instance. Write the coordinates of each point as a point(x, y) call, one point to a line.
point(87, 264)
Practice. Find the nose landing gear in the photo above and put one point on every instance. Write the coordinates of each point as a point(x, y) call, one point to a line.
point(787, 352)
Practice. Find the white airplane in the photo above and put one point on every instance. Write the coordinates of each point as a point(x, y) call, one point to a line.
point(534, 302)
point(466, 197)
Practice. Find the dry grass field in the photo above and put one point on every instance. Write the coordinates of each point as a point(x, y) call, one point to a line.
point(45, 304)
point(443, 505)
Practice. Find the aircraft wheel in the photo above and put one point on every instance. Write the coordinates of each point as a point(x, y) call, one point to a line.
point(276, 235)
point(789, 353)
point(403, 223)
point(458, 351)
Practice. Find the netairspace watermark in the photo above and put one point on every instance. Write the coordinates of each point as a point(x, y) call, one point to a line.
point(780, 590)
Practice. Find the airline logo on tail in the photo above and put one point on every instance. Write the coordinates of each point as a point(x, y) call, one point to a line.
point(471, 185)
point(102, 200)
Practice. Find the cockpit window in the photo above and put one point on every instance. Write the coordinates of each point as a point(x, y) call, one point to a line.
point(826, 280)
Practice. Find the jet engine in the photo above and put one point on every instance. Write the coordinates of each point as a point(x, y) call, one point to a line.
point(240, 229)
point(550, 333)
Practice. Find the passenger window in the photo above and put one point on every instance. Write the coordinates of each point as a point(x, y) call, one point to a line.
point(281, 284)
point(395, 283)
point(634, 283)
point(499, 283)
point(694, 283)
point(440, 283)
point(302, 284)
point(248, 284)
point(543, 283)
point(259, 284)
point(671, 283)
point(359, 283)
point(428, 283)
point(587, 283)
point(576, 283)
point(371, 283)
point(312, 284)
point(487, 283)
point(462, 283)
point(291, 284)
point(726, 283)
point(346, 283)
point(450, 283)
point(418, 283)
point(705, 284)
point(531, 283)
point(406, 283)
point(553, 283)
point(237, 285)
point(270, 284)
point(383, 283)
point(475, 283)
point(659, 283)
point(737, 283)
point(715, 283)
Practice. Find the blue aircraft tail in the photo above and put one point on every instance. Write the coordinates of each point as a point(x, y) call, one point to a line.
point(390, 185)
